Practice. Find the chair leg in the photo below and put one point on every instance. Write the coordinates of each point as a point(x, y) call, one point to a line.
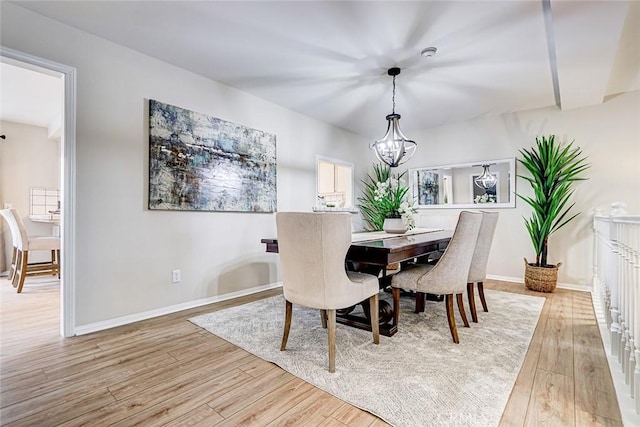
point(420, 301)
point(287, 324)
point(55, 262)
point(375, 323)
point(58, 262)
point(472, 303)
point(481, 293)
point(396, 305)
point(323, 318)
point(22, 272)
point(461, 310)
point(451, 319)
point(332, 340)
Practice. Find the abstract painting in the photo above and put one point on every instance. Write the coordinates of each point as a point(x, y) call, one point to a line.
point(199, 162)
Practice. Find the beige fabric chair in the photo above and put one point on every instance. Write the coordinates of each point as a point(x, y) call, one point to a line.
point(312, 248)
point(478, 269)
point(448, 276)
point(13, 227)
point(23, 244)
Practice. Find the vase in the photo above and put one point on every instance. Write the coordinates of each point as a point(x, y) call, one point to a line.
point(394, 226)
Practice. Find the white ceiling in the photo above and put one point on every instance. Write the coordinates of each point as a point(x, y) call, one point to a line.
point(328, 59)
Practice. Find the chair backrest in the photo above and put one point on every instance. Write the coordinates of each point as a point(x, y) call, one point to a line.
point(16, 226)
point(313, 248)
point(478, 268)
point(450, 274)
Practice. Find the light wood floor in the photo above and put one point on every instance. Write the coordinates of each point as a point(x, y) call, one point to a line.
point(167, 371)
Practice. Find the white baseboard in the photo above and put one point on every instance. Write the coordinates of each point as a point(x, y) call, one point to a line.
point(572, 286)
point(505, 278)
point(575, 287)
point(124, 320)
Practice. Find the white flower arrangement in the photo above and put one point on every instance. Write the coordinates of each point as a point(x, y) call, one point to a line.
point(385, 197)
point(386, 192)
point(406, 213)
point(485, 198)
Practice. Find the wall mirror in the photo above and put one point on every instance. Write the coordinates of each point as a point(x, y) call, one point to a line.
point(334, 184)
point(461, 185)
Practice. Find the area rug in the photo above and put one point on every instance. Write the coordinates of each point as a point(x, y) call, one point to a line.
point(418, 377)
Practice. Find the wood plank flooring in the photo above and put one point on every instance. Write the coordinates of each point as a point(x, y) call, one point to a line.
point(167, 371)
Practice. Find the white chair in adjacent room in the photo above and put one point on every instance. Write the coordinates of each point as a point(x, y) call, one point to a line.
point(448, 276)
point(478, 269)
point(13, 228)
point(312, 248)
point(23, 244)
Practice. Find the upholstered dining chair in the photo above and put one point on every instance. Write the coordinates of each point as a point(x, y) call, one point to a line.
point(478, 268)
point(312, 248)
point(448, 276)
point(23, 244)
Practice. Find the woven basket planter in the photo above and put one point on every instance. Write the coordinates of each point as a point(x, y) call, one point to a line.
point(540, 279)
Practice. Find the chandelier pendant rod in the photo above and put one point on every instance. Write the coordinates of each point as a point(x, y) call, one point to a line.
point(393, 96)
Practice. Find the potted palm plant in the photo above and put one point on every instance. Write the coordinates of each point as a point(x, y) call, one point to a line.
point(554, 169)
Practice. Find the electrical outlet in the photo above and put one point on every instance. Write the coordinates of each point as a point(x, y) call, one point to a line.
point(175, 276)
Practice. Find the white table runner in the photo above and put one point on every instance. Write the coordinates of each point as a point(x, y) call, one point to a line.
point(377, 235)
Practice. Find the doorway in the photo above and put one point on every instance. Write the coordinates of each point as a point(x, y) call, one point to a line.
point(66, 176)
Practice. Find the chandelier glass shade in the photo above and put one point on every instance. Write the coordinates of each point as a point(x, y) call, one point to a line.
point(486, 180)
point(394, 148)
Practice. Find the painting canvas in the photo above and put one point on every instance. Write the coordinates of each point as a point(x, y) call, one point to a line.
point(199, 162)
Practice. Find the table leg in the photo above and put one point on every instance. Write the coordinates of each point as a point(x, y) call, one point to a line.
point(363, 321)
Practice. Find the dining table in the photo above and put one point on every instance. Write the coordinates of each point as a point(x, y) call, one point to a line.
point(373, 252)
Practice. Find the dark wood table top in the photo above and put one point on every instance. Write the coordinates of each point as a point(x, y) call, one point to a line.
point(401, 243)
point(398, 249)
point(389, 250)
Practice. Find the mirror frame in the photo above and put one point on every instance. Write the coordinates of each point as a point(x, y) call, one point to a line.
point(512, 186)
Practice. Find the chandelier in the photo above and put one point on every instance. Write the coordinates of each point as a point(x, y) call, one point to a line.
point(394, 148)
point(486, 180)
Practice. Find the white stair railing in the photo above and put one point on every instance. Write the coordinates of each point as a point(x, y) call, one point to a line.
point(616, 281)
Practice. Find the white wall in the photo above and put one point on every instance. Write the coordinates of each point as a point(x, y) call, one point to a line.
point(609, 135)
point(4, 229)
point(29, 159)
point(125, 253)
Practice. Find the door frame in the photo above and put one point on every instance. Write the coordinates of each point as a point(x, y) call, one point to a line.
point(68, 230)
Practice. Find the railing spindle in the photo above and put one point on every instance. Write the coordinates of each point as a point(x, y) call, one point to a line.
point(616, 282)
